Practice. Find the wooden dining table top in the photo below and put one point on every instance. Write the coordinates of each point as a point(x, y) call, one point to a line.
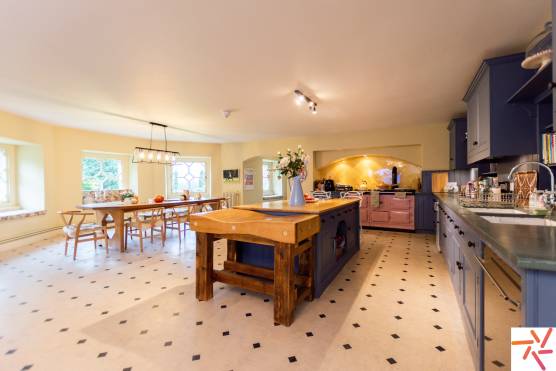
point(120, 205)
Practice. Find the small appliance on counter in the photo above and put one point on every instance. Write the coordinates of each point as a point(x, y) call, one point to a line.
point(363, 185)
point(328, 185)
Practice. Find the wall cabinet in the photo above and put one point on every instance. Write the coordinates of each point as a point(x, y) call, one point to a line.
point(496, 128)
point(458, 144)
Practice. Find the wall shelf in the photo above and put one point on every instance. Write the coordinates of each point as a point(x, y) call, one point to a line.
point(538, 89)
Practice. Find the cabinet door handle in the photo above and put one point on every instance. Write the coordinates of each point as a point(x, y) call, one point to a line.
point(470, 244)
point(444, 234)
point(460, 266)
point(456, 226)
point(475, 143)
point(461, 233)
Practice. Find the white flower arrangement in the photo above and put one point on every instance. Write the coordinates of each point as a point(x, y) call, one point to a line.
point(293, 163)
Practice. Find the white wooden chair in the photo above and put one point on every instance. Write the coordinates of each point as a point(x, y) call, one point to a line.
point(352, 194)
point(80, 231)
point(322, 195)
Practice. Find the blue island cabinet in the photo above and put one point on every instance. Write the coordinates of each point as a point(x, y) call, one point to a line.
point(337, 241)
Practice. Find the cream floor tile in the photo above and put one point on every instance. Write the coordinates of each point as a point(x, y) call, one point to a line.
point(136, 311)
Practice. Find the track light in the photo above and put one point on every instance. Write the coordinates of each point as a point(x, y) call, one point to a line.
point(301, 98)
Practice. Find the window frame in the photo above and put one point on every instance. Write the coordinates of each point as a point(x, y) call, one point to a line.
point(208, 175)
point(11, 204)
point(274, 180)
point(125, 160)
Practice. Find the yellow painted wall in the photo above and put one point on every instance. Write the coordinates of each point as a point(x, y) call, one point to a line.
point(62, 148)
point(375, 170)
point(432, 141)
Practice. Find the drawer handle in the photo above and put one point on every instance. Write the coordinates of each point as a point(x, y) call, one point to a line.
point(456, 226)
point(470, 244)
point(475, 143)
point(444, 234)
point(460, 266)
point(461, 233)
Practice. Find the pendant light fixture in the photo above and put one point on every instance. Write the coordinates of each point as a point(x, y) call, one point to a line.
point(155, 156)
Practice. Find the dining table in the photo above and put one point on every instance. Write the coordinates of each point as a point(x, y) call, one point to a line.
point(117, 210)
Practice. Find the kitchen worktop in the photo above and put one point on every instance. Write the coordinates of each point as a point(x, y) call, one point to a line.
point(522, 246)
point(319, 207)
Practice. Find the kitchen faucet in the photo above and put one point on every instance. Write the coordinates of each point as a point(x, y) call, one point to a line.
point(550, 199)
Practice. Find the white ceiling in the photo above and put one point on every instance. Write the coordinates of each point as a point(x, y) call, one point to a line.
point(367, 63)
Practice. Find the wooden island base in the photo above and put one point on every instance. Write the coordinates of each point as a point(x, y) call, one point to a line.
point(291, 236)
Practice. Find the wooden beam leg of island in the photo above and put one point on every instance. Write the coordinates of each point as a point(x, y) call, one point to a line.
point(204, 266)
point(231, 252)
point(284, 287)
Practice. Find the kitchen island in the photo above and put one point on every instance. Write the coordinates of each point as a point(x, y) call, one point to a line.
point(288, 252)
point(335, 243)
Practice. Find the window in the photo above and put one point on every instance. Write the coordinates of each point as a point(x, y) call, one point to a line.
point(272, 183)
point(192, 174)
point(4, 178)
point(99, 174)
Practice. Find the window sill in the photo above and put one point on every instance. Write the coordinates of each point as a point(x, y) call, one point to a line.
point(20, 214)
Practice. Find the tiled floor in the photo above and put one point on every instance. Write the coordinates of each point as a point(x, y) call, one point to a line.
point(391, 308)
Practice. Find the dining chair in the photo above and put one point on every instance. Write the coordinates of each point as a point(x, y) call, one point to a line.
point(141, 222)
point(174, 217)
point(322, 195)
point(79, 231)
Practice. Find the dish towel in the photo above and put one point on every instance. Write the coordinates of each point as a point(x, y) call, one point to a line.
point(399, 195)
point(375, 199)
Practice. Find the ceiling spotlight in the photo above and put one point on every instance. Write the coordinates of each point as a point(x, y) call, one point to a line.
point(301, 98)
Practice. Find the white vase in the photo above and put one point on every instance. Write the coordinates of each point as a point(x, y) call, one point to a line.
point(296, 192)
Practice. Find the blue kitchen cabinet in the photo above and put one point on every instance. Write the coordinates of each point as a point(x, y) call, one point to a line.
point(458, 144)
point(496, 128)
point(460, 246)
point(424, 212)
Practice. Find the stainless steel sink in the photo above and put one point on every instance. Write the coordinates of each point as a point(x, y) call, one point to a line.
point(519, 220)
point(484, 210)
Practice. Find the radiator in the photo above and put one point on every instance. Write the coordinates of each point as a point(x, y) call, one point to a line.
point(28, 235)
